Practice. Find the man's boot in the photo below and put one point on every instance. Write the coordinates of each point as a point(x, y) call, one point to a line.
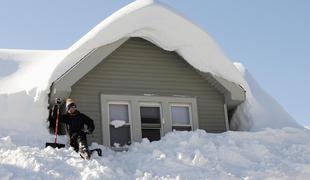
point(83, 148)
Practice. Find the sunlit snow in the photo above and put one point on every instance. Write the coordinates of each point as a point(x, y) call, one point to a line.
point(282, 152)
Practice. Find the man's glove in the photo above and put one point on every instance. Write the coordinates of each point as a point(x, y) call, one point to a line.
point(74, 135)
point(86, 131)
point(57, 101)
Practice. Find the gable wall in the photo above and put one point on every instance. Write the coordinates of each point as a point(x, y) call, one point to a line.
point(139, 67)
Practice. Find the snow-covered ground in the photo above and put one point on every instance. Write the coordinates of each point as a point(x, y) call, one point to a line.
point(268, 154)
point(279, 153)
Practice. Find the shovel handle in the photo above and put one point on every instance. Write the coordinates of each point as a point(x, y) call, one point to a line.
point(57, 121)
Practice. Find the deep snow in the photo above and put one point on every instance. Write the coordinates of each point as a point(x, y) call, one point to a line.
point(268, 154)
point(260, 110)
point(279, 153)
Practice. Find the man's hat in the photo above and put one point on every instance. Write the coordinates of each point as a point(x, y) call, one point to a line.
point(70, 103)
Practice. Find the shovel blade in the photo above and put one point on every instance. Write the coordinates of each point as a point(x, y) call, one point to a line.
point(55, 145)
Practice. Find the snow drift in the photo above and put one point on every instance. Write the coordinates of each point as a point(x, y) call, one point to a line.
point(270, 154)
point(23, 94)
point(280, 153)
point(260, 110)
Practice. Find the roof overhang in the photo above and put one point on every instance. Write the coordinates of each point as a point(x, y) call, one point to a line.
point(61, 88)
point(234, 93)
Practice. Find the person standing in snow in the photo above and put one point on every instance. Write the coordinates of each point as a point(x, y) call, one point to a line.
point(75, 122)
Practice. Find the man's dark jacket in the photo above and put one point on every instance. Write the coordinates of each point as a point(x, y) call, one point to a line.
point(75, 123)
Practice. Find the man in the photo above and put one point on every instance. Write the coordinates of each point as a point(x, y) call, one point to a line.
point(75, 122)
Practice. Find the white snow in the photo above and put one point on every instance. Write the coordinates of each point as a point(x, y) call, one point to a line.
point(260, 110)
point(268, 154)
point(279, 153)
point(34, 69)
point(23, 94)
point(162, 26)
point(118, 123)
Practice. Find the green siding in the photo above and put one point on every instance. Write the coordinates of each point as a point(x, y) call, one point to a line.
point(139, 67)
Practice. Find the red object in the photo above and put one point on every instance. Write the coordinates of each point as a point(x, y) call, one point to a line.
point(57, 121)
point(55, 144)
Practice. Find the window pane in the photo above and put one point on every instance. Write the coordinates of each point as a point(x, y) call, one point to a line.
point(151, 134)
point(180, 115)
point(119, 112)
point(182, 128)
point(120, 136)
point(150, 115)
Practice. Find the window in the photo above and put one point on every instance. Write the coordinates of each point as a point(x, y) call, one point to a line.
point(181, 117)
point(119, 118)
point(150, 121)
point(129, 118)
point(150, 115)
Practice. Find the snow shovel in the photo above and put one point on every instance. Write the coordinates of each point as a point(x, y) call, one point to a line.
point(55, 144)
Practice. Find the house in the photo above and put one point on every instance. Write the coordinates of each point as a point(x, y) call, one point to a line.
point(146, 77)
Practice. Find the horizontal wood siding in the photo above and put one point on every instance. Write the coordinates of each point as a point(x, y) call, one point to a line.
point(139, 67)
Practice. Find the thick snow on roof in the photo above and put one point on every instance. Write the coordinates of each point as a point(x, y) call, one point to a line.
point(160, 25)
point(34, 68)
point(25, 91)
point(260, 110)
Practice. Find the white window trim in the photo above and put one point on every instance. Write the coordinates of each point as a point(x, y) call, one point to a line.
point(150, 104)
point(189, 105)
point(129, 118)
point(134, 102)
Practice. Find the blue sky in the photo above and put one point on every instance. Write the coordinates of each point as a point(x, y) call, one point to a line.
point(271, 38)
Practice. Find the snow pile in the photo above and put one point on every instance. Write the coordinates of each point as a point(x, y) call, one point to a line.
point(259, 110)
point(118, 123)
point(23, 93)
point(282, 153)
point(269, 154)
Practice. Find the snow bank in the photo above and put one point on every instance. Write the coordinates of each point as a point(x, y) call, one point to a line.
point(268, 154)
point(259, 110)
point(23, 93)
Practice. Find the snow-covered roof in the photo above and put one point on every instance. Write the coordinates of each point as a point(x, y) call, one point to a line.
point(147, 19)
point(34, 68)
point(26, 89)
point(162, 26)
